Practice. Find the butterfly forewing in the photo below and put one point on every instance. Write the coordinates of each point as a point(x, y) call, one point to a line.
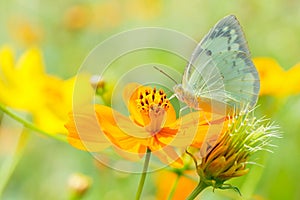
point(221, 68)
point(226, 35)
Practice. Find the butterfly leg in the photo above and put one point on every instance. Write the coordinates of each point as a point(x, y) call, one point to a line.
point(182, 109)
point(172, 96)
point(206, 119)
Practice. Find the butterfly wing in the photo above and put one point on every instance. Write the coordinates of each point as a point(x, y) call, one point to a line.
point(221, 68)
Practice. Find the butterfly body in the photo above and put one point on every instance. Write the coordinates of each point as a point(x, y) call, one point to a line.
point(220, 74)
point(199, 103)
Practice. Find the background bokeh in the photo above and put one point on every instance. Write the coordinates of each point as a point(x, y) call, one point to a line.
point(66, 31)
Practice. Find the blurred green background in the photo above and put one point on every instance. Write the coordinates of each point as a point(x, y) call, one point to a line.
point(66, 31)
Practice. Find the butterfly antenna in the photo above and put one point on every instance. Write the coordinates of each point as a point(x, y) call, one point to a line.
point(164, 73)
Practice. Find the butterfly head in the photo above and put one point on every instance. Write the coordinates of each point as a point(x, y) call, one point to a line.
point(179, 92)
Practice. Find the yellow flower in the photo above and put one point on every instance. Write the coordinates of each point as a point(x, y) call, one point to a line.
point(276, 81)
point(152, 125)
point(107, 15)
point(24, 31)
point(77, 17)
point(25, 86)
point(145, 9)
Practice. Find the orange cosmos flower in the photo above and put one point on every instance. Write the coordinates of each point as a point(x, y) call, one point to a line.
point(184, 186)
point(152, 125)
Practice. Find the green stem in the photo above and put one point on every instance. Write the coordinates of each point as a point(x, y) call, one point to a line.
point(175, 184)
point(143, 177)
point(74, 196)
point(10, 164)
point(30, 125)
point(200, 187)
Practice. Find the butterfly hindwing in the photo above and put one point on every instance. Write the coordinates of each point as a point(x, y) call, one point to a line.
point(239, 76)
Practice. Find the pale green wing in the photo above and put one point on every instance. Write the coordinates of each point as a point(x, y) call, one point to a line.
point(229, 77)
point(221, 68)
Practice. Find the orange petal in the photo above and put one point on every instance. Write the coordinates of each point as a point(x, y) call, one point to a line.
point(130, 95)
point(116, 124)
point(171, 116)
point(213, 133)
point(196, 127)
point(129, 91)
point(132, 155)
point(185, 184)
point(166, 135)
point(168, 156)
point(84, 131)
point(123, 133)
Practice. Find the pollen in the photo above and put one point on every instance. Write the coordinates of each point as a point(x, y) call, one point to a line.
point(148, 99)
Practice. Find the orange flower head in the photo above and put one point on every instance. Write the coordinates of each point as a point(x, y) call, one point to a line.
point(152, 125)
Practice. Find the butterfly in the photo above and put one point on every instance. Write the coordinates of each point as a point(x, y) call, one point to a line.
point(220, 74)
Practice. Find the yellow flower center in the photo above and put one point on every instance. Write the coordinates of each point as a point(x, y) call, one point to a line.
point(154, 105)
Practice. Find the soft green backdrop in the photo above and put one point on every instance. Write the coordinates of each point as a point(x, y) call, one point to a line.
point(272, 28)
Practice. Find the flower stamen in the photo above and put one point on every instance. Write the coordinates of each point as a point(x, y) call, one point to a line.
point(147, 98)
point(153, 104)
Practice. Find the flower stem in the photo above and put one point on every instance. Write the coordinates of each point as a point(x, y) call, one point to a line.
point(200, 187)
point(10, 164)
point(30, 125)
point(174, 187)
point(143, 177)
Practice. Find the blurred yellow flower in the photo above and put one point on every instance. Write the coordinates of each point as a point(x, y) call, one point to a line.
point(77, 17)
point(25, 86)
point(275, 80)
point(144, 9)
point(25, 32)
point(152, 125)
point(107, 15)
